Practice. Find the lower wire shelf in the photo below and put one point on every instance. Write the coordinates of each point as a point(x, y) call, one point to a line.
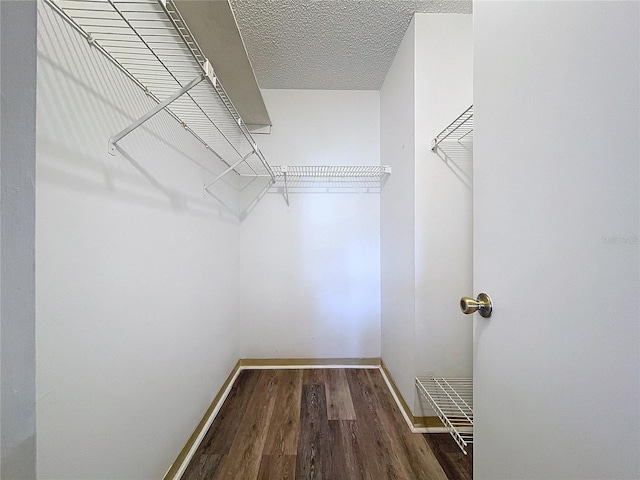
point(452, 400)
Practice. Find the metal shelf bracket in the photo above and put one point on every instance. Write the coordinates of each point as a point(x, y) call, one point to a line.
point(286, 186)
point(158, 108)
point(228, 170)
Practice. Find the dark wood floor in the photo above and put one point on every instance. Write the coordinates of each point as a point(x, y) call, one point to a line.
point(455, 464)
point(319, 424)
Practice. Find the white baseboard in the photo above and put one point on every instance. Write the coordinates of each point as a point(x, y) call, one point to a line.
point(203, 431)
point(205, 427)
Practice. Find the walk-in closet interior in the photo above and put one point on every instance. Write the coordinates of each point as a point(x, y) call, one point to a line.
point(215, 186)
point(172, 247)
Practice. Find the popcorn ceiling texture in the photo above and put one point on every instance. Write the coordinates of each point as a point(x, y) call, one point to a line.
point(328, 44)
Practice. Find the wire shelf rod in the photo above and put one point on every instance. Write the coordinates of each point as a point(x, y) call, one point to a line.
point(121, 38)
point(148, 32)
point(465, 134)
point(133, 55)
point(142, 39)
point(456, 398)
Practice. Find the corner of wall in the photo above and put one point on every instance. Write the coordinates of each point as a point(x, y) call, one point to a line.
point(397, 216)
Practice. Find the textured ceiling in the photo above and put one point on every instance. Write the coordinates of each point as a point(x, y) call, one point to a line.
point(328, 44)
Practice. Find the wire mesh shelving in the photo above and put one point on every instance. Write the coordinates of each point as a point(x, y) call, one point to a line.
point(452, 400)
point(150, 42)
point(458, 130)
point(328, 178)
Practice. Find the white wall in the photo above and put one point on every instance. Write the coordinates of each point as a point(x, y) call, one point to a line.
point(556, 192)
point(17, 239)
point(310, 272)
point(137, 278)
point(397, 216)
point(443, 199)
point(426, 206)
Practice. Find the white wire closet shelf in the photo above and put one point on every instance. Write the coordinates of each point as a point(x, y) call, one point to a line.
point(149, 41)
point(452, 400)
point(460, 129)
point(328, 178)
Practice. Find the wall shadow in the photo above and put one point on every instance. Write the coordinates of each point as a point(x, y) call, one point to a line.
point(84, 99)
point(458, 157)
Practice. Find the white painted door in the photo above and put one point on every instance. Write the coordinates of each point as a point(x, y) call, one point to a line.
point(556, 240)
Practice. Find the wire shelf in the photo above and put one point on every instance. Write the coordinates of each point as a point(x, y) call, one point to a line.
point(332, 172)
point(149, 41)
point(326, 178)
point(460, 129)
point(452, 400)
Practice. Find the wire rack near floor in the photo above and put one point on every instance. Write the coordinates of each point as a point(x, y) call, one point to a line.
point(452, 400)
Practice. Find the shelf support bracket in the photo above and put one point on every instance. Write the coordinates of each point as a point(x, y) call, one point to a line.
point(286, 187)
point(161, 106)
point(219, 177)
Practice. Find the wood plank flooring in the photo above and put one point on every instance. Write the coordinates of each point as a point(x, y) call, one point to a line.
point(455, 464)
point(319, 424)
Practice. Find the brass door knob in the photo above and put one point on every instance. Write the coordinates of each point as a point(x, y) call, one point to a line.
point(482, 304)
